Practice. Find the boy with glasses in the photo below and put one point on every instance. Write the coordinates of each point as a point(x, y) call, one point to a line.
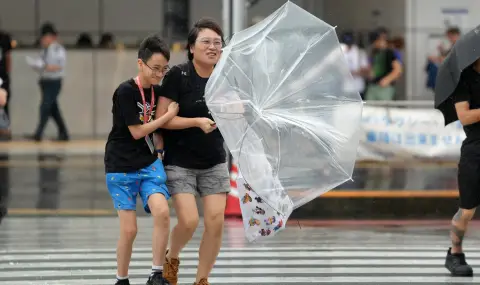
point(132, 162)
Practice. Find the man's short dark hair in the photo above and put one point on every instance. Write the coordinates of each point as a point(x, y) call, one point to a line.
point(151, 45)
point(453, 31)
point(48, 29)
point(204, 23)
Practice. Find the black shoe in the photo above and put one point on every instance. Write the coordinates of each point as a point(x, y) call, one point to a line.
point(157, 279)
point(35, 138)
point(123, 282)
point(457, 265)
point(63, 138)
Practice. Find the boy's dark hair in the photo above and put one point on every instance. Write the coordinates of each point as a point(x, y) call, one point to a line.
point(453, 31)
point(153, 44)
point(203, 23)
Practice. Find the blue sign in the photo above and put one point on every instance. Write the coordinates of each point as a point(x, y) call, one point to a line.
point(412, 139)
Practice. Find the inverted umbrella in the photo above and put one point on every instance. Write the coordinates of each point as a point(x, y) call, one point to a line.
point(465, 52)
point(281, 98)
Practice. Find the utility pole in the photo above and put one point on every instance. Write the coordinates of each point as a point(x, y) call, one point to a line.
point(239, 14)
point(227, 17)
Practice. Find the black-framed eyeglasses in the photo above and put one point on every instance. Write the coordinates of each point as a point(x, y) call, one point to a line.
point(157, 70)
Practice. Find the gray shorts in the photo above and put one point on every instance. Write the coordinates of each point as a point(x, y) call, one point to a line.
point(204, 182)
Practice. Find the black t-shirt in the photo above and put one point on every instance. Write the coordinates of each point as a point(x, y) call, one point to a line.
point(190, 148)
point(468, 90)
point(5, 47)
point(123, 153)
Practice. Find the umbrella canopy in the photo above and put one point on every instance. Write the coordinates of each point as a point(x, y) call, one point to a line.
point(465, 52)
point(281, 98)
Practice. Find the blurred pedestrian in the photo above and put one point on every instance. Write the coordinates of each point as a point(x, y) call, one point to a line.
point(4, 120)
point(5, 66)
point(51, 66)
point(386, 69)
point(357, 61)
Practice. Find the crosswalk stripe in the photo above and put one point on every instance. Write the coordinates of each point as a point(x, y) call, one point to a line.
point(266, 263)
point(58, 255)
point(257, 248)
point(245, 255)
point(229, 249)
point(273, 280)
point(239, 272)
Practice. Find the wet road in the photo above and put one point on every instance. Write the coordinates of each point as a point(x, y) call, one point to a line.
point(66, 181)
point(69, 179)
point(82, 251)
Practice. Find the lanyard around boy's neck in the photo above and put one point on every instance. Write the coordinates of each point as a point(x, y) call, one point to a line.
point(152, 101)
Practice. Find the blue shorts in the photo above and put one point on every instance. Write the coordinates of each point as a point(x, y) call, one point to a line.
point(124, 187)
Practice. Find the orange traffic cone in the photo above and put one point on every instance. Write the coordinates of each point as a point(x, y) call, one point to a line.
point(233, 202)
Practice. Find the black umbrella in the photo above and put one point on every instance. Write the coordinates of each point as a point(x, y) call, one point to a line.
point(465, 52)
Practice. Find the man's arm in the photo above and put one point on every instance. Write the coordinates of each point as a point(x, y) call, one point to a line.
point(461, 97)
point(395, 74)
point(466, 115)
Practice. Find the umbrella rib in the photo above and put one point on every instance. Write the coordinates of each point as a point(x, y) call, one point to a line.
point(317, 139)
point(243, 72)
point(272, 104)
point(295, 65)
point(250, 126)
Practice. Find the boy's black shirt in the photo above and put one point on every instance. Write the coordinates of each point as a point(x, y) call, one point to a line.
point(122, 152)
point(190, 148)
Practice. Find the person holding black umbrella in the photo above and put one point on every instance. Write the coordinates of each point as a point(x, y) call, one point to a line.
point(457, 97)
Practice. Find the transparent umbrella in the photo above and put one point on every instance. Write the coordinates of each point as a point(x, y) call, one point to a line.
point(281, 98)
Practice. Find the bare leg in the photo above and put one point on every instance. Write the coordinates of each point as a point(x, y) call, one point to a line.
point(214, 209)
point(459, 227)
point(187, 214)
point(161, 227)
point(128, 232)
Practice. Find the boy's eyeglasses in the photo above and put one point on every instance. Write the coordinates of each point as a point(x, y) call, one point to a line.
point(157, 70)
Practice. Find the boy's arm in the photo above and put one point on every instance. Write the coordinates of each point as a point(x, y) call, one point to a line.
point(158, 139)
point(127, 105)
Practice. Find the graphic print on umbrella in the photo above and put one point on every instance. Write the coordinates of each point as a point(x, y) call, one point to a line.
point(280, 98)
point(465, 52)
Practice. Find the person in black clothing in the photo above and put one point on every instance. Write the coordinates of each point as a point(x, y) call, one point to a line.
point(132, 162)
point(467, 105)
point(5, 65)
point(195, 157)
